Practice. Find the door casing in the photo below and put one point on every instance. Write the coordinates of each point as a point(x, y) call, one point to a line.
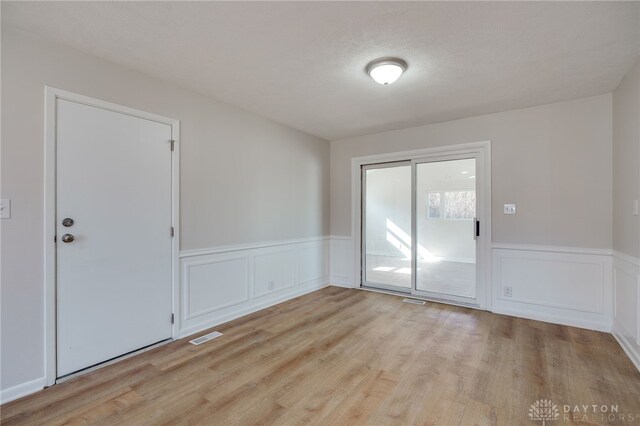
point(51, 95)
point(482, 152)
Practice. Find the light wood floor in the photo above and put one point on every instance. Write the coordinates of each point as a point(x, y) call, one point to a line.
point(341, 356)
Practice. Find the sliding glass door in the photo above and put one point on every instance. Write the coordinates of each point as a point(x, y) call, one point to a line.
point(420, 227)
point(446, 228)
point(386, 222)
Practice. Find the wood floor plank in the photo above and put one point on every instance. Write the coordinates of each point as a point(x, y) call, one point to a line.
point(349, 357)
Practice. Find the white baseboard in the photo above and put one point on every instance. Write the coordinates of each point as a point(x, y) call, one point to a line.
point(552, 249)
point(249, 309)
point(629, 348)
point(23, 389)
point(553, 319)
point(338, 283)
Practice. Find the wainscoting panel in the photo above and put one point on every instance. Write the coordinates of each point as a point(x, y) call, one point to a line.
point(273, 271)
point(341, 261)
point(223, 283)
point(626, 285)
point(564, 287)
point(215, 283)
point(313, 262)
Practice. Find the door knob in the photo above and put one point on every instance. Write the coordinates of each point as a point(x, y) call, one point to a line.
point(67, 222)
point(67, 238)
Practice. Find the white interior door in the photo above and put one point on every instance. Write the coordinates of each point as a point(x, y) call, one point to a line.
point(113, 180)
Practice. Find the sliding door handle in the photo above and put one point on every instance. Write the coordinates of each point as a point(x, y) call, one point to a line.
point(476, 228)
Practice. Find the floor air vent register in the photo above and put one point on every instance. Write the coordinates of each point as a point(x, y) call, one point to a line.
point(414, 301)
point(204, 339)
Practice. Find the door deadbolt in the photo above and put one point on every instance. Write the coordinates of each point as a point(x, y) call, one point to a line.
point(68, 238)
point(67, 222)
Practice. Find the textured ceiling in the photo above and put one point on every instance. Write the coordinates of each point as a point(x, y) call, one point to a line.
point(302, 63)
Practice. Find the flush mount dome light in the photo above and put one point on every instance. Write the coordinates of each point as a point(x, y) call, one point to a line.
point(386, 70)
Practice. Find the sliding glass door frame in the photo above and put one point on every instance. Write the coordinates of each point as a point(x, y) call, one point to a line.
point(363, 224)
point(482, 222)
point(479, 282)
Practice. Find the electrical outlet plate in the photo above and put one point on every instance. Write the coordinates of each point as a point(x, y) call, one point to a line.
point(508, 292)
point(509, 209)
point(5, 208)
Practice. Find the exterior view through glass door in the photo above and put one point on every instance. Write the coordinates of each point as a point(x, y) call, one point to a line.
point(445, 225)
point(419, 227)
point(386, 220)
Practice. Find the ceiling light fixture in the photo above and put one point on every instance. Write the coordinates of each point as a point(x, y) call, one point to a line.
point(386, 70)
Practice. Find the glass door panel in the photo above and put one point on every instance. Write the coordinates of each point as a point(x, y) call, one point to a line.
point(445, 228)
point(386, 226)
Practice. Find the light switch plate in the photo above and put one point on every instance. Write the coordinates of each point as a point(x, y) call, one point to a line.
point(635, 207)
point(509, 209)
point(5, 208)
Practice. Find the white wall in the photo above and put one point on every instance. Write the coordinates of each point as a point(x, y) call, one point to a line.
point(626, 163)
point(626, 226)
point(243, 178)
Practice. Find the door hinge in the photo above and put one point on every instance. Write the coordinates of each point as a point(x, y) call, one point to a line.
point(55, 238)
point(173, 143)
point(173, 318)
point(172, 231)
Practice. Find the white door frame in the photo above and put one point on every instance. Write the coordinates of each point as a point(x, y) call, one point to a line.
point(363, 222)
point(483, 174)
point(51, 96)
